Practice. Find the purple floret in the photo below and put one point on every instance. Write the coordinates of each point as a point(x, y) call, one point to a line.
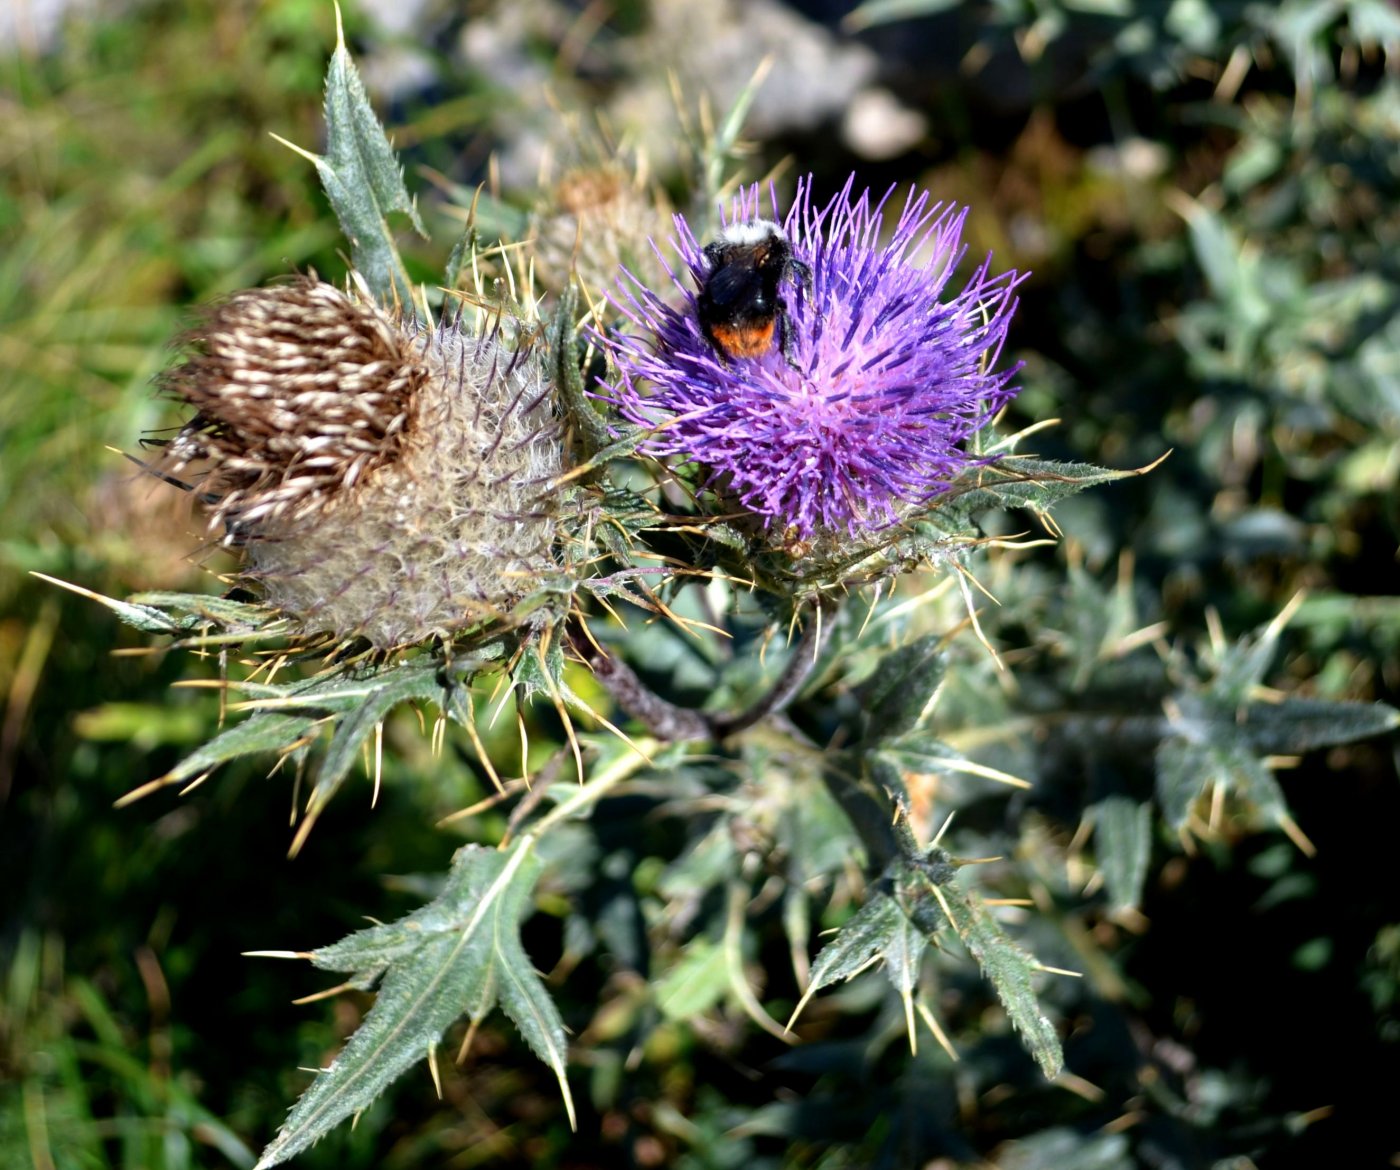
point(890, 380)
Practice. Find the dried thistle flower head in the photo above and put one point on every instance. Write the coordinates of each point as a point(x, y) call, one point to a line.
point(387, 480)
point(591, 220)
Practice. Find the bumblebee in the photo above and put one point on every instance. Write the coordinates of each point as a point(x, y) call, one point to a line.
point(741, 305)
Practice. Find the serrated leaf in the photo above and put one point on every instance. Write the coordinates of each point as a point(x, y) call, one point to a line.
point(902, 688)
point(363, 180)
point(1033, 484)
point(540, 671)
point(1123, 842)
point(526, 1001)
point(224, 612)
point(1009, 970)
point(414, 680)
point(864, 938)
point(452, 956)
point(592, 431)
point(263, 732)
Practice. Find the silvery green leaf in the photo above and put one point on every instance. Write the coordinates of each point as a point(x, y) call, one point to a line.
point(579, 408)
point(199, 609)
point(147, 618)
point(1123, 842)
point(1009, 970)
point(1299, 725)
point(384, 692)
point(363, 180)
point(904, 954)
point(1020, 482)
point(454, 956)
point(1183, 770)
point(263, 732)
point(864, 938)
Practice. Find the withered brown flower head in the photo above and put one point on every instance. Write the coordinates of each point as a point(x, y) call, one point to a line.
point(591, 220)
point(386, 480)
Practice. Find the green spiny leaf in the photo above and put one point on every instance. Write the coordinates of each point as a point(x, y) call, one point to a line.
point(200, 609)
point(1300, 725)
point(904, 956)
point(592, 431)
point(363, 179)
point(857, 944)
point(1033, 484)
point(1009, 970)
point(263, 732)
point(455, 955)
point(413, 680)
point(902, 688)
point(526, 1001)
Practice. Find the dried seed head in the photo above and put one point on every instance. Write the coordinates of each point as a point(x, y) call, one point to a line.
point(591, 220)
point(300, 390)
point(386, 480)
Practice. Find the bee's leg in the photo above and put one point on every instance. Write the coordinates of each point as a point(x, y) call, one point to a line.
point(789, 339)
point(803, 275)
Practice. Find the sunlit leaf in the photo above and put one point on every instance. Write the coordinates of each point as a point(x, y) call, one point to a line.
point(458, 954)
point(363, 180)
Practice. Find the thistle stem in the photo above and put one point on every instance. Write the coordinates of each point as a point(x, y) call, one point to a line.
point(662, 718)
point(799, 668)
point(673, 723)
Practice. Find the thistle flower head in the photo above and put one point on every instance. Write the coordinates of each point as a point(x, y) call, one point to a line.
point(386, 480)
point(859, 418)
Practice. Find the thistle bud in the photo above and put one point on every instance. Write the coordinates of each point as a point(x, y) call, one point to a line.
point(385, 479)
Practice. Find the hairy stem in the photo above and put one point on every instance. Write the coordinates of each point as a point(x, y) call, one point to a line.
point(799, 668)
point(673, 723)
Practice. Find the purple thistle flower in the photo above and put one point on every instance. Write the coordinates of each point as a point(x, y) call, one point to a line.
point(886, 381)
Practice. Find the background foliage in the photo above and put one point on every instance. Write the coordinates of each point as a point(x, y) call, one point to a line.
point(1207, 194)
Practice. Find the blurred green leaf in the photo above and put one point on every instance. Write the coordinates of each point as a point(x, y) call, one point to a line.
point(1123, 844)
point(695, 983)
point(874, 12)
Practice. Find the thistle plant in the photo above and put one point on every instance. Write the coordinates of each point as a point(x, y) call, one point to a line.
point(741, 587)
